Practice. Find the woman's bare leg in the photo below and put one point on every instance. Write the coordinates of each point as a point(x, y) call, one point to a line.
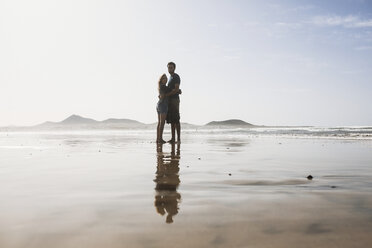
point(158, 130)
point(161, 128)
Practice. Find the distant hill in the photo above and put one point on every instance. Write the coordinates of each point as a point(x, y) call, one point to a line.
point(231, 122)
point(77, 121)
point(118, 121)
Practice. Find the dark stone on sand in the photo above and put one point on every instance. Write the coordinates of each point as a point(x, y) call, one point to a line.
point(310, 177)
point(199, 158)
point(333, 187)
point(317, 228)
point(229, 174)
point(99, 150)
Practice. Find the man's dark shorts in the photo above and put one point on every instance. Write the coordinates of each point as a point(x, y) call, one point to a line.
point(173, 115)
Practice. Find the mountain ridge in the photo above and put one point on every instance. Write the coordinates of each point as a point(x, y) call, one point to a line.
point(79, 122)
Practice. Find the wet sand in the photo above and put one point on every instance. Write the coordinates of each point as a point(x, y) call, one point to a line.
point(118, 189)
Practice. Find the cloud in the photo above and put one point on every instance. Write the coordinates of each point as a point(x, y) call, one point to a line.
point(282, 9)
point(350, 21)
point(290, 25)
point(363, 48)
point(287, 90)
point(231, 57)
point(302, 8)
point(252, 24)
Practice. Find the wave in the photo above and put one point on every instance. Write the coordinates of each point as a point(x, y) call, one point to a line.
point(359, 132)
point(349, 132)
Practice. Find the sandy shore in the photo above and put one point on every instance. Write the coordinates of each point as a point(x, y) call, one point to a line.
point(118, 189)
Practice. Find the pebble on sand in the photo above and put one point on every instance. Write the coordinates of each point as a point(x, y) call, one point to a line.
point(229, 174)
point(310, 177)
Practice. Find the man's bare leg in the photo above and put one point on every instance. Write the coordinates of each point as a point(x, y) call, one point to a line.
point(178, 127)
point(173, 127)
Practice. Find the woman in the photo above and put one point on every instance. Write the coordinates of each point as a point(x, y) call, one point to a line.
point(162, 107)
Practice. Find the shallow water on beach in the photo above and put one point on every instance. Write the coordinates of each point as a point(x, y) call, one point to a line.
point(119, 189)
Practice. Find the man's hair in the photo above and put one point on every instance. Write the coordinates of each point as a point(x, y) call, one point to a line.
point(172, 63)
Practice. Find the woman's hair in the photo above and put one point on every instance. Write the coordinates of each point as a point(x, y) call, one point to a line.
point(159, 82)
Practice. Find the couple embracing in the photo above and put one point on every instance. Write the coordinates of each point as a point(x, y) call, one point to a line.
point(168, 106)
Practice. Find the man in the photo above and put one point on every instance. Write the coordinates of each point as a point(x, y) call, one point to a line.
point(173, 115)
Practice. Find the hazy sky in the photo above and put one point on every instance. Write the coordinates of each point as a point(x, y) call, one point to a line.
point(266, 62)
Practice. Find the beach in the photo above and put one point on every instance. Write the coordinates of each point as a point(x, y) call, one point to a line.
point(117, 188)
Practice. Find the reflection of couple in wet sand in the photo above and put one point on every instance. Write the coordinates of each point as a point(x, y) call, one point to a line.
point(168, 106)
point(167, 181)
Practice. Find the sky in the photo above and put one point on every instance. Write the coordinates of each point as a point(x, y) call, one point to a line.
point(265, 62)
